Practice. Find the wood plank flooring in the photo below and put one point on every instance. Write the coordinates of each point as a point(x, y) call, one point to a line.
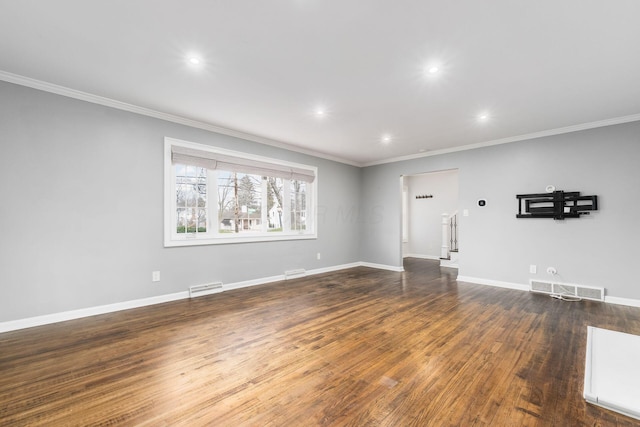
point(359, 347)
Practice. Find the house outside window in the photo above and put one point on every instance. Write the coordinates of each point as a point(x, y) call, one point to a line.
point(215, 196)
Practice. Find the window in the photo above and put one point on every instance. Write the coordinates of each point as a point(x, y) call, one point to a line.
point(215, 196)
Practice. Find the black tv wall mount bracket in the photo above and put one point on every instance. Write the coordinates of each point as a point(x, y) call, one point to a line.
point(557, 205)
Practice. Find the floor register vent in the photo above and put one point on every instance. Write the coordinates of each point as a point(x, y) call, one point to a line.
point(552, 288)
point(205, 289)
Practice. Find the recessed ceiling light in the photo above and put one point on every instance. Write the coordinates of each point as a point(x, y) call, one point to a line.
point(433, 68)
point(386, 139)
point(194, 60)
point(483, 117)
point(320, 112)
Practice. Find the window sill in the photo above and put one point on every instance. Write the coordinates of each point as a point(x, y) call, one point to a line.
point(235, 239)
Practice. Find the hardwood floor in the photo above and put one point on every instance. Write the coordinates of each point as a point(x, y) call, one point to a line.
point(356, 347)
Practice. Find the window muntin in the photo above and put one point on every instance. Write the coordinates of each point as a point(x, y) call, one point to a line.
point(211, 206)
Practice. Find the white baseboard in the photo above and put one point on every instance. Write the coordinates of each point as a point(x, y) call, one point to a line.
point(447, 265)
point(421, 256)
point(30, 322)
point(622, 301)
point(256, 282)
point(46, 319)
point(382, 266)
point(281, 277)
point(608, 299)
point(333, 268)
point(496, 283)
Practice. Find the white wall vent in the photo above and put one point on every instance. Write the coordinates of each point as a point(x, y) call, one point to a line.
point(586, 292)
point(591, 293)
point(538, 286)
point(205, 289)
point(294, 274)
point(564, 289)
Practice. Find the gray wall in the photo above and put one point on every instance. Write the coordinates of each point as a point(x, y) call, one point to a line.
point(81, 217)
point(596, 250)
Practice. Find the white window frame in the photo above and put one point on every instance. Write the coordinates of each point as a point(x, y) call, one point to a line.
point(212, 236)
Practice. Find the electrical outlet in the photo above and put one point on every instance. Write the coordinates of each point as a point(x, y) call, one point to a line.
point(533, 269)
point(318, 255)
point(155, 276)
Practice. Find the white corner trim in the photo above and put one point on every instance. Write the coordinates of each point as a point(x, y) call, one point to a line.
point(108, 102)
point(533, 135)
point(382, 266)
point(496, 283)
point(46, 319)
point(622, 301)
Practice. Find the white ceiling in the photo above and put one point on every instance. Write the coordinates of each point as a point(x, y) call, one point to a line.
point(533, 66)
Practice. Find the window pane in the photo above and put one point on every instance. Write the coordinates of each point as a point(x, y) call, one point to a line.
point(201, 189)
point(239, 202)
point(202, 220)
point(181, 221)
point(181, 196)
point(298, 204)
point(275, 189)
point(226, 202)
point(202, 194)
point(250, 202)
point(191, 193)
point(191, 220)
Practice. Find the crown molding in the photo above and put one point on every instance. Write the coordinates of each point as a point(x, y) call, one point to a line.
point(534, 135)
point(108, 102)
